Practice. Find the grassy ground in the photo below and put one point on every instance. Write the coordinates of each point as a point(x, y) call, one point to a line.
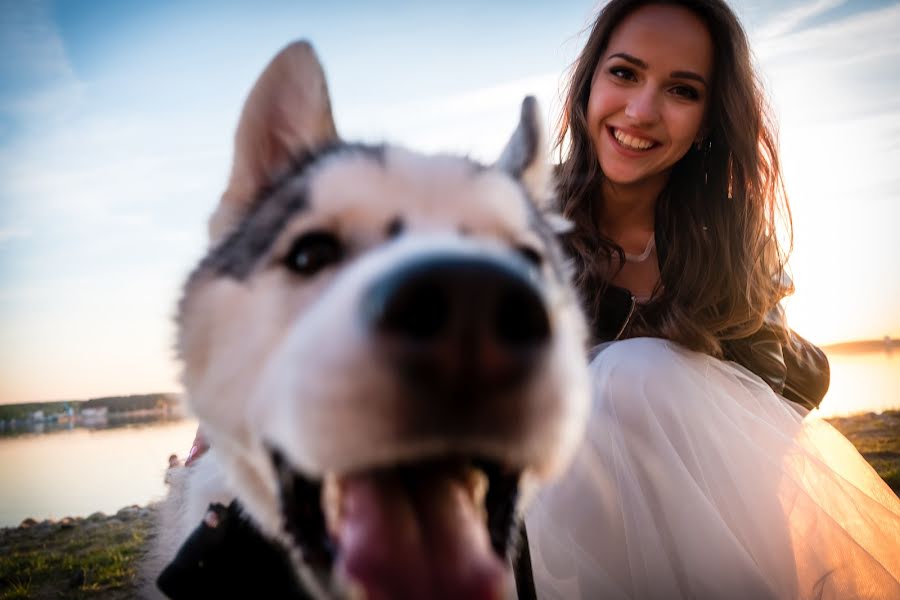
point(877, 437)
point(74, 558)
point(97, 557)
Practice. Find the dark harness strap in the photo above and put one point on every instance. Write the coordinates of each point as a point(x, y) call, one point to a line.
point(522, 570)
point(230, 559)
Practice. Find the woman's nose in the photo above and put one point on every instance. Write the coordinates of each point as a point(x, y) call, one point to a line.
point(643, 106)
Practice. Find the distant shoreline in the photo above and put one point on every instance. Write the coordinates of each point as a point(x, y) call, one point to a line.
point(37, 417)
point(887, 345)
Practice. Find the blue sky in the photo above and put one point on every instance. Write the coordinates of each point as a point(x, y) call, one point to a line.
point(116, 121)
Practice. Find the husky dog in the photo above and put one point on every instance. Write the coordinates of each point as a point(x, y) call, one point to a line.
point(383, 349)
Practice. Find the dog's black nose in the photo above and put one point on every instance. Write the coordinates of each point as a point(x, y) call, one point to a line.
point(459, 324)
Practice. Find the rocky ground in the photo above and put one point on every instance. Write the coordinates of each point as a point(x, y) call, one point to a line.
point(92, 557)
point(97, 556)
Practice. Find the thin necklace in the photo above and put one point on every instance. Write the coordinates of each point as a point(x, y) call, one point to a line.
point(636, 258)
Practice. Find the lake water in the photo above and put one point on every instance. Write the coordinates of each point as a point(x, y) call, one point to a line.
point(77, 472)
point(865, 382)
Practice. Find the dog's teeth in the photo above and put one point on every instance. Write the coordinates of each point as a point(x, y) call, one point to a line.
point(477, 484)
point(331, 502)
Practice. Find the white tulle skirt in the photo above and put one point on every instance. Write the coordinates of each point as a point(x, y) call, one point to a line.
point(695, 480)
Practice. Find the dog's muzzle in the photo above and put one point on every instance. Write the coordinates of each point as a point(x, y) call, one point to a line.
point(459, 331)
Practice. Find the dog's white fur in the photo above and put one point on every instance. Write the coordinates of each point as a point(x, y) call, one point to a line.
point(274, 361)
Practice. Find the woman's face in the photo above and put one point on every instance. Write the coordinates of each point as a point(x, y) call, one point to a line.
point(649, 94)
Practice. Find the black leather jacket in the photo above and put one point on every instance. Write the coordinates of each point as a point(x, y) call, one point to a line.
point(796, 369)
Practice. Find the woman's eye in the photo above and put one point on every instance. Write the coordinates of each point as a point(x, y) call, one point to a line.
point(686, 92)
point(622, 73)
point(312, 252)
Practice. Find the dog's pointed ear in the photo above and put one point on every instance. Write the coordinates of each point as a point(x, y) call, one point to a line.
point(286, 115)
point(526, 156)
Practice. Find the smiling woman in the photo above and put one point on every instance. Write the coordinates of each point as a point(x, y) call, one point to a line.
point(671, 144)
point(699, 476)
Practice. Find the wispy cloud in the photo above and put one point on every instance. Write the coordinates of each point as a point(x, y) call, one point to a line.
point(496, 96)
point(847, 39)
point(841, 70)
point(474, 121)
point(13, 233)
point(37, 73)
point(787, 20)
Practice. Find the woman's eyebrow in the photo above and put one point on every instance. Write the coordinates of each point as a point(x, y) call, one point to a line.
point(674, 74)
point(632, 59)
point(688, 75)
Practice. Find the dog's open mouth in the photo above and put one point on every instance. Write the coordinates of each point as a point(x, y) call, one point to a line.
point(437, 529)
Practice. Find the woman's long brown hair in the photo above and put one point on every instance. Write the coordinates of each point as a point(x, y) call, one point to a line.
point(719, 214)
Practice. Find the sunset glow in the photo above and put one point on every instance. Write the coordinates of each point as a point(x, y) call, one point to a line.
point(115, 140)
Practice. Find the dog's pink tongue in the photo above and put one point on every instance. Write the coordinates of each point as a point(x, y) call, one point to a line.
point(402, 539)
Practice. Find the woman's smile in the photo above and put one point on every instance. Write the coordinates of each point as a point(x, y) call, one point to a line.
point(632, 142)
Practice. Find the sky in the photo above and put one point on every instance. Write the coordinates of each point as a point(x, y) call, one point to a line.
point(116, 121)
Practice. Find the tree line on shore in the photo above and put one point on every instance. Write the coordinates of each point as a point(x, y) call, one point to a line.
point(112, 404)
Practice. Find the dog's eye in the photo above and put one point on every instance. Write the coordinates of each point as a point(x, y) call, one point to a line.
point(313, 252)
point(531, 255)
